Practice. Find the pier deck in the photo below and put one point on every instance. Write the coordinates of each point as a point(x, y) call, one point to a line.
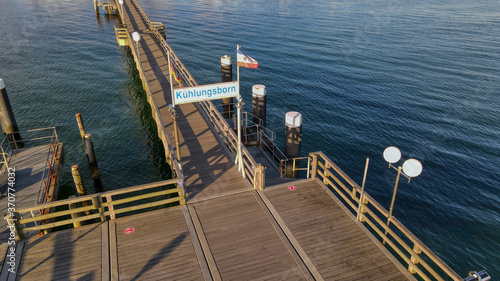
point(30, 165)
point(207, 167)
point(227, 228)
point(276, 234)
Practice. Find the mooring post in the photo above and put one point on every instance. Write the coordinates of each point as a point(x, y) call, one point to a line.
point(81, 127)
point(96, 7)
point(259, 104)
point(77, 178)
point(9, 125)
point(93, 164)
point(226, 70)
point(293, 139)
point(80, 188)
point(74, 215)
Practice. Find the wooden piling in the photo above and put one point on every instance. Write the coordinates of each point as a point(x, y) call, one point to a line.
point(81, 127)
point(93, 164)
point(80, 188)
point(7, 119)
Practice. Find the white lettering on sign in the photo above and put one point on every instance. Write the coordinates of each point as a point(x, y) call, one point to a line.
point(206, 92)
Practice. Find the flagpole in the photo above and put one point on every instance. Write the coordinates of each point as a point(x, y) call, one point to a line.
point(239, 156)
point(170, 75)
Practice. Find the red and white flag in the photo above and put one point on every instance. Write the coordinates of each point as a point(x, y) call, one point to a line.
point(246, 61)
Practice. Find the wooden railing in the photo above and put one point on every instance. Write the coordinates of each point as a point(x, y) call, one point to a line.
point(219, 123)
point(99, 207)
point(172, 160)
point(121, 35)
point(419, 258)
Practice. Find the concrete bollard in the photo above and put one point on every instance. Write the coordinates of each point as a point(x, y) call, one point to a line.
point(226, 70)
point(7, 119)
point(259, 104)
point(293, 139)
point(93, 164)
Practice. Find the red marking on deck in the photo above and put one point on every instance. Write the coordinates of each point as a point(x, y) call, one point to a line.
point(292, 187)
point(129, 230)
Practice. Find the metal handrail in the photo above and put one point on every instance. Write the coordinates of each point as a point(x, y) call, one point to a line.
point(32, 138)
point(295, 167)
point(371, 211)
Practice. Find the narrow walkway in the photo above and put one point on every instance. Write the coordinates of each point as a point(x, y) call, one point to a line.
point(30, 166)
point(207, 167)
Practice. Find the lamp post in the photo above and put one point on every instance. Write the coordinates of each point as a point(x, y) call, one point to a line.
point(121, 6)
point(411, 168)
point(136, 38)
point(239, 157)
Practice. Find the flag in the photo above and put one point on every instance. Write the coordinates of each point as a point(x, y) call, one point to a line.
point(245, 61)
point(175, 73)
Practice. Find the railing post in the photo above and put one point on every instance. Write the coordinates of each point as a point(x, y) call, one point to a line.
point(413, 265)
point(182, 193)
point(362, 209)
point(326, 173)
point(259, 177)
point(97, 204)
point(314, 166)
point(14, 225)
point(110, 207)
point(74, 215)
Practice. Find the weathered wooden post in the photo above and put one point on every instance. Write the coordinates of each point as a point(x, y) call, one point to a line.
point(14, 225)
point(259, 104)
point(80, 188)
point(96, 7)
point(260, 177)
point(314, 165)
point(74, 215)
point(81, 127)
point(97, 204)
point(293, 139)
point(93, 164)
point(9, 124)
point(226, 70)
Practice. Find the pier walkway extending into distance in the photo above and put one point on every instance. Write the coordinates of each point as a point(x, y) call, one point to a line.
point(226, 226)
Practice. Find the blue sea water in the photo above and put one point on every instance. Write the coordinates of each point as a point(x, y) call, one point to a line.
point(420, 75)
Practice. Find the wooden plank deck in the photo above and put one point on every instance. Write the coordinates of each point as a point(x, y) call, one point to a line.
point(30, 166)
point(160, 248)
point(243, 241)
point(73, 254)
point(208, 168)
point(335, 243)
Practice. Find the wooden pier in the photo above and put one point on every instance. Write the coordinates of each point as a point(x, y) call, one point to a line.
point(220, 223)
